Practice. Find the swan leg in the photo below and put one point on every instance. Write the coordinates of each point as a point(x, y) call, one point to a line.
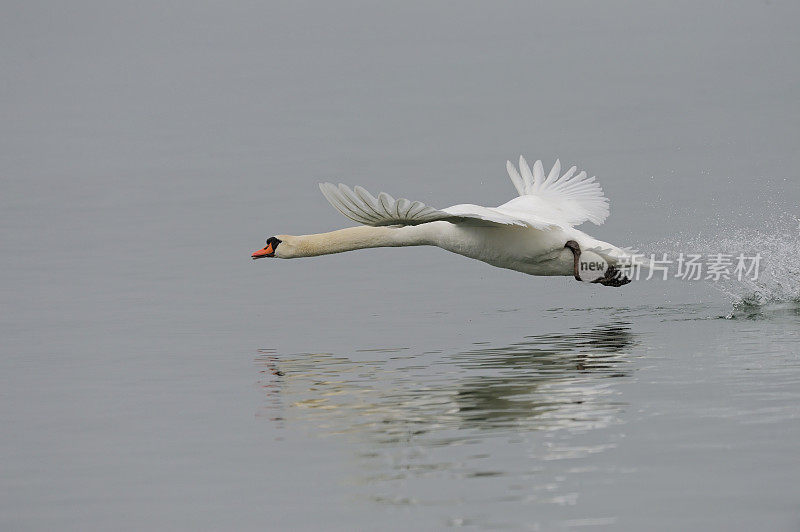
point(576, 257)
point(611, 277)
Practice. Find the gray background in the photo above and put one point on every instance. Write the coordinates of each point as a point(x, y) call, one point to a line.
point(147, 148)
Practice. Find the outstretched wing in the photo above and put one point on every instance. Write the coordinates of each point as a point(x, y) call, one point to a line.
point(568, 199)
point(364, 208)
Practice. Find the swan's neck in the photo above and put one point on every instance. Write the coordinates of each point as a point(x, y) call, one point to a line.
point(354, 238)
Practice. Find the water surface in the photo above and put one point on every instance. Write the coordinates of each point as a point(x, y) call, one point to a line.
point(153, 377)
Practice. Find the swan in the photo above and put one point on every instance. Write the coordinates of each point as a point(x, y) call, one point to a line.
point(533, 233)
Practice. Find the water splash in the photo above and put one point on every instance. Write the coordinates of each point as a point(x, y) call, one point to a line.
point(776, 242)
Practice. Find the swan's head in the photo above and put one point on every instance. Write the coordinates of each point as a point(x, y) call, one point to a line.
point(270, 250)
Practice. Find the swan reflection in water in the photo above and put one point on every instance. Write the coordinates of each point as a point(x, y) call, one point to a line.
point(545, 382)
point(451, 432)
point(393, 399)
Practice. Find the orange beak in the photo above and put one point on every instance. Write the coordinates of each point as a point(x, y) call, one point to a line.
point(266, 252)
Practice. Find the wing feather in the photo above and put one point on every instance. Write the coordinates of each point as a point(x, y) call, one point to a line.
point(331, 194)
point(538, 174)
point(369, 200)
point(525, 170)
point(554, 173)
point(544, 202)
point(516, 179)
point(568, 199)
point(362, 207)
point(356, 204)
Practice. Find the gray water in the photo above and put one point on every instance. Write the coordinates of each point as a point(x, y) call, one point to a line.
point(153, 377)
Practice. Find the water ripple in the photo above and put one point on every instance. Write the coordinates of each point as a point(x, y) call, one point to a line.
point(427, 416)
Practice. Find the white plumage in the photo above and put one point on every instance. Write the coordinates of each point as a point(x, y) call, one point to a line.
point(533, 233)
point(543, 203)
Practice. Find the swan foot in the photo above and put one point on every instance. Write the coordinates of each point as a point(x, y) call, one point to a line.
point(611, 277)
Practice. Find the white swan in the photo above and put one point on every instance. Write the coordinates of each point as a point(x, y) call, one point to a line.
point(533, 233)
